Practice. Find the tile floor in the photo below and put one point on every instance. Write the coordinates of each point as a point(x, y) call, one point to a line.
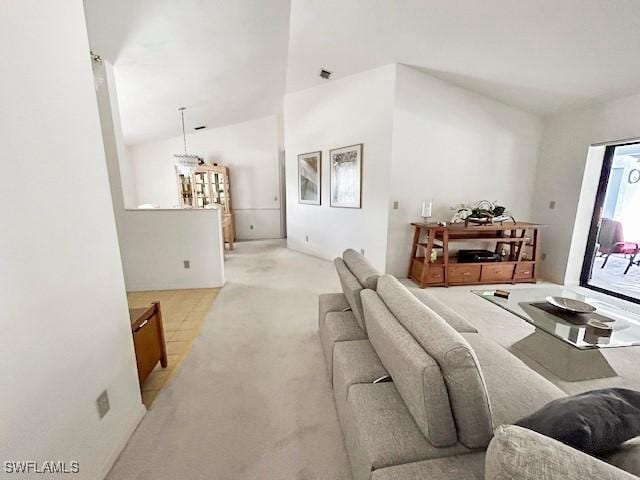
point(183, 312)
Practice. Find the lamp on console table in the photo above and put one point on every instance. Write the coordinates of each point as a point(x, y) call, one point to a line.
point(427, 210)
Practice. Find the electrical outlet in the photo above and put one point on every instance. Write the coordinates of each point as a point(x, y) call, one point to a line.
point(362, 251)
point(395, 204)
point(306, 238)
point(187, 264)
point(102, 404)
point(552, 205)
point(543, 256)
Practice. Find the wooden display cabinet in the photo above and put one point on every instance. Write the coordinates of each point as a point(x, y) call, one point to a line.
point(521, 242)
point(209, 185)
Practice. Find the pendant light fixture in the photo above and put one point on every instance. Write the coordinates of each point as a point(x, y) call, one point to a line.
point(186, 163)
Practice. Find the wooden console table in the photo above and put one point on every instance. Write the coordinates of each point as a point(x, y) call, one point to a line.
point(516, 238)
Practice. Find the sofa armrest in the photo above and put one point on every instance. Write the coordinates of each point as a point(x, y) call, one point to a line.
point(516, 452)
point(627, 457)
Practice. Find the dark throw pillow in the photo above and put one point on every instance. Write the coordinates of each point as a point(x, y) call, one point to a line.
point(594, 422)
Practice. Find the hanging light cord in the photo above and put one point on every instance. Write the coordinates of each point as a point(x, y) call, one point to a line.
point(184, 135)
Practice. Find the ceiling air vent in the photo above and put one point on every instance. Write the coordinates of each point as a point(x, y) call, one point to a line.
point(200, 127)
point(326, 74)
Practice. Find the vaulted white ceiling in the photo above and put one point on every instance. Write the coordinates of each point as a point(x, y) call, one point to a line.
point(233, 60)
point(541, 55)
point(223, 59)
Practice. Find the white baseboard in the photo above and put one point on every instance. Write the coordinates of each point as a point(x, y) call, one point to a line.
point(123, 442)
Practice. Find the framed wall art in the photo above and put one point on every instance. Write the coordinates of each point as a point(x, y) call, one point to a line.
point(346, 176)
point(310, 178)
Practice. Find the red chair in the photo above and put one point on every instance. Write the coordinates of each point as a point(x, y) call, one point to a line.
point(611, 242)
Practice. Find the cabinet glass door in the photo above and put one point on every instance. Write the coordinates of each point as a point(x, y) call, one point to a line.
point(186, 190)
point(219, 187)
point(215, 187)
point(202, 189)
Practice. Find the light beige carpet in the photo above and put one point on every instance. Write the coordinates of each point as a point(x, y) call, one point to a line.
point(252, 400)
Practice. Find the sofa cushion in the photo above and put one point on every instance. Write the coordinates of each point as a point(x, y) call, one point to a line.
point(627, 457)
point(382, 432)
point(351, 288)
point(354, 362)
point(449, 315)
point(361, 268)
point(457, 361)
point(331, 302)
point(459, 467)
point(338, 327)
point(416, 375)
point(514, 389)
point(516, 452)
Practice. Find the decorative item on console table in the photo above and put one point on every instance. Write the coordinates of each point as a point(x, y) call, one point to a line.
point(426, 211)
point(515, 238)
point(483, 212)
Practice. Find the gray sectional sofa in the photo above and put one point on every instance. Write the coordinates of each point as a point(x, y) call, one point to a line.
point(420, 394)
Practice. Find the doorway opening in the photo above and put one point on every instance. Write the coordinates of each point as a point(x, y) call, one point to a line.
point(612, 259)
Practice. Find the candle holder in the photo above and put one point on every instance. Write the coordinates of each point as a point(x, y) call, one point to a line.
point(426, 210)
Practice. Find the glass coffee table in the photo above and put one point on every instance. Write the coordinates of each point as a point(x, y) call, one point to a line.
point(530, 304)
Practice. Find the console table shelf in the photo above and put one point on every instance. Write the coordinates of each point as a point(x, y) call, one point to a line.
point(521, 242)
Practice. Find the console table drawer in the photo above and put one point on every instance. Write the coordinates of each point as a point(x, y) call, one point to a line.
point(524, 271)
point(435, 274)
point(464, 273)
point(497, 273)
point(417, 266)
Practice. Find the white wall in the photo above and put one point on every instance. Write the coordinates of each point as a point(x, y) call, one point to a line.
point(561, 176)
point(128, 178)
point(155, 243)
point(454, 146)
point(249, 149)
point(65, 331)
point(355, 109)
